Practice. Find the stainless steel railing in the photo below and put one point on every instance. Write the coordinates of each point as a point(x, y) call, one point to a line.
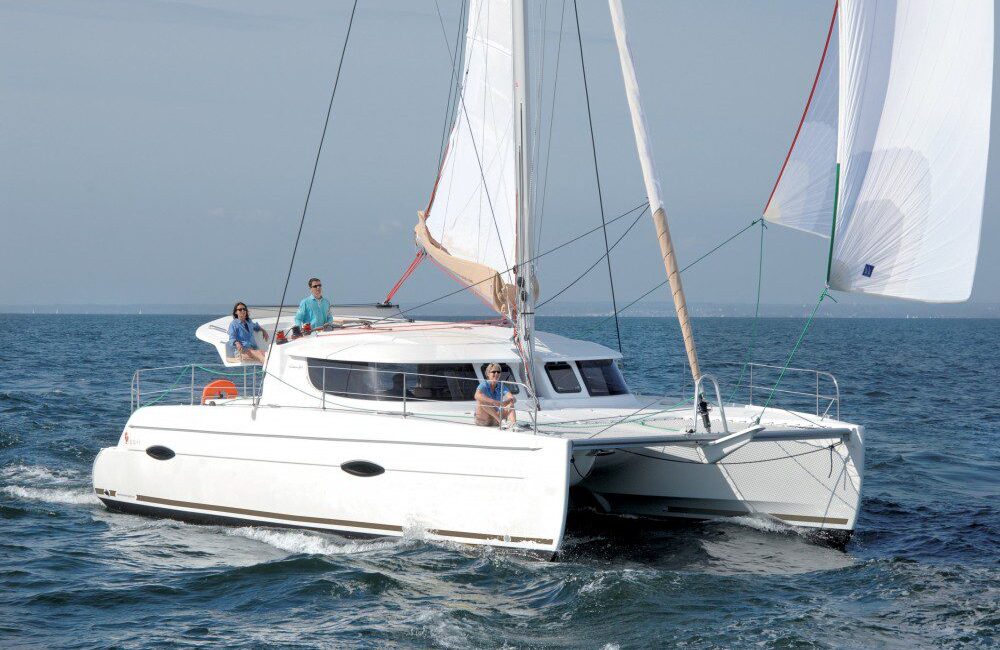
point(403, 384)
point(184, 384)
point(761, 380)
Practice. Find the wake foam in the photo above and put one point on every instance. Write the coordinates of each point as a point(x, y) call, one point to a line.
point(308, 543)
point(51, 495)
point(36, 474)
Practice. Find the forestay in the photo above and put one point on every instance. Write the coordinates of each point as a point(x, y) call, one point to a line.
point(470, 224)
point(915, 90)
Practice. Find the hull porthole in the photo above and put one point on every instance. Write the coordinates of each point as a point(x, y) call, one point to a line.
point(362, 468)
point(159, 452)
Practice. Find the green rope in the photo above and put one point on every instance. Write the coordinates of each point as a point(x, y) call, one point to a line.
point(791, 354)
point(165, 391)
point(756, 314)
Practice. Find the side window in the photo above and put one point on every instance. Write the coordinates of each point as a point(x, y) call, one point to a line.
point(506, 374)
point(344, 378)
point(445, 382)
point(562, 377)
point(602, 378)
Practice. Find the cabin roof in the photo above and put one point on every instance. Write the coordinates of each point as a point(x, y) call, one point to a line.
point(417, 342)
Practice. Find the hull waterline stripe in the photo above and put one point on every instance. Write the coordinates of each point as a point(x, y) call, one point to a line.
point(330, 522)
point(743, 513)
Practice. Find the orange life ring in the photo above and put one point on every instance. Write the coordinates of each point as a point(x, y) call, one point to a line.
point(219, 389)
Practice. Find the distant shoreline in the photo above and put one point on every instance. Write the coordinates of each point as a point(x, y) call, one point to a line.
point(888, 310)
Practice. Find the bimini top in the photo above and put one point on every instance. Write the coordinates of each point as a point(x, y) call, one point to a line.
point(399, 341)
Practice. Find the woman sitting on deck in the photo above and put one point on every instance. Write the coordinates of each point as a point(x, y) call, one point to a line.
point(241, 339)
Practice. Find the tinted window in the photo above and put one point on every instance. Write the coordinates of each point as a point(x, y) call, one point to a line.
point(448, 382)
point(562, 377)
point(505, 375)
point(602, 378)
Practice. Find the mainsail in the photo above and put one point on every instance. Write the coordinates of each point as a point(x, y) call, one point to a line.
point(914, 83)
point(470, 224)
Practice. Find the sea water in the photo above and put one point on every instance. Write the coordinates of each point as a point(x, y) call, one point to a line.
point(922, 568)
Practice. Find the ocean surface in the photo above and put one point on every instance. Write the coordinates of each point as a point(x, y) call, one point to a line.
point(922, 569)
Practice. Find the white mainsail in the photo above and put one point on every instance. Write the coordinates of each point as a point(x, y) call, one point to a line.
point(915, 91)
point(802, 197)
point(471, 222)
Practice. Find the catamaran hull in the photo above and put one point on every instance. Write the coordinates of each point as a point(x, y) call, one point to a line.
point(814, 484)
point(355, 474)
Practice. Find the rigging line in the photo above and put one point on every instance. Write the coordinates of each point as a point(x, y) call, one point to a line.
point(552, 115)
point(823, 294)
point(756, 313)
point(597, 174)
point(644, 204)
point(591, 267)
point(482, 175)
point(453, 79)
point(312, 181)
point(745, 228)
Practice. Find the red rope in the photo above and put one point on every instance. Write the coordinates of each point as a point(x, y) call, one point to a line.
point(417, 259)
point(826, 46)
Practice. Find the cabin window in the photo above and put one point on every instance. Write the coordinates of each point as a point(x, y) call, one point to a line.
point(445, 382)
point(506, 374)
point(602, 378)
point(562, 377)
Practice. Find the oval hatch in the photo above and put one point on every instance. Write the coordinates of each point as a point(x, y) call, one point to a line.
point(362, 468)
point(159, 452)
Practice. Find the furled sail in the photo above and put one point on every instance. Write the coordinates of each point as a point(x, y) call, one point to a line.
point(915, 94)
point(915, 89)
point(802, 197)
point(470, 225)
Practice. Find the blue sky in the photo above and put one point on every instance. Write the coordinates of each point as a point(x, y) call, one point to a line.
point(159, 152)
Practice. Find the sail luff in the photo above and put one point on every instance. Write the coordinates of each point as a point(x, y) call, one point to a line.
point(652, 183)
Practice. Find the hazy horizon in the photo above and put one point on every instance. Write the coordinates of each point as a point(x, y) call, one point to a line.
point(158, 153)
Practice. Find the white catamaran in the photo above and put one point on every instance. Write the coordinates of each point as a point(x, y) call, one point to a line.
point(367, 428)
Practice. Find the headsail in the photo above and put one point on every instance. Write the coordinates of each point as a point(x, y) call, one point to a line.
point(916, 89)
point(802, 197)
point(471, 221)
point(914, 83)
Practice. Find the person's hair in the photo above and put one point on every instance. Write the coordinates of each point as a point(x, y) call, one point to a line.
point(245, 306)
point(493, 366)
point(311, 280)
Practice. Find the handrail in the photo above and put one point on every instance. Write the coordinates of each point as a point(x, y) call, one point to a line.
point(830, 400)
point(146, 391)
point(403, 397)
point(718, 398)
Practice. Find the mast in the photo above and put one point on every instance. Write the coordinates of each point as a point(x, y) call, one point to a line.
point(653, 184)
point(525, 253)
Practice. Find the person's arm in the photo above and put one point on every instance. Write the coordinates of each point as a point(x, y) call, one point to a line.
point(302, 315)
point(233, 339)
point(485, 399)
point(258, 328)
point(328, 312)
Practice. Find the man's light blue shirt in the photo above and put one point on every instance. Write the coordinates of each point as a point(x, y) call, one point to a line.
point(312, 311)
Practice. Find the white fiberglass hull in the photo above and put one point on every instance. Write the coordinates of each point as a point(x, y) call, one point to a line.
point(359, 474)
point(368, 473)
point(809, 483)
